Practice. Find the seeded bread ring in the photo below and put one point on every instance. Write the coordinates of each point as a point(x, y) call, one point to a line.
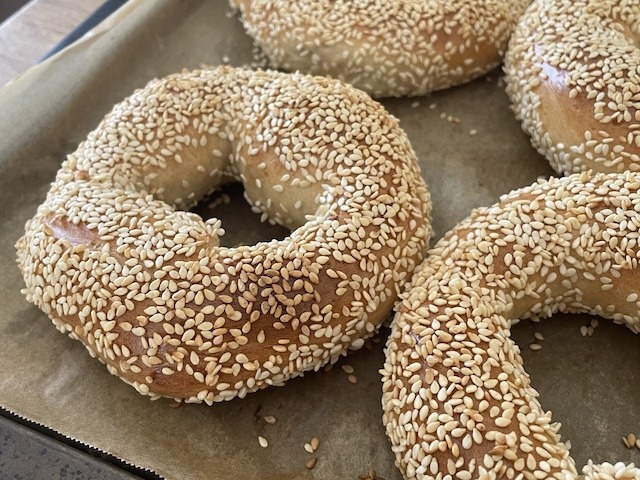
point(573, 77)
point(148, 289)
point(457, 400)
point(386, 48)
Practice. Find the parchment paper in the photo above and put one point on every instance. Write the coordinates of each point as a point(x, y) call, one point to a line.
point(471, 150)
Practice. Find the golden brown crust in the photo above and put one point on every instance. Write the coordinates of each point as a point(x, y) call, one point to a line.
point(572, 76)
point(386, 48)
point(457, 400)
point(147, 287)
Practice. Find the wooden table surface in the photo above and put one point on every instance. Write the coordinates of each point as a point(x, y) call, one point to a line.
point(35, 29)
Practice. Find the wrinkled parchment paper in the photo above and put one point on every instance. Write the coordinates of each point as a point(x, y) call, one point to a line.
point(471, 150)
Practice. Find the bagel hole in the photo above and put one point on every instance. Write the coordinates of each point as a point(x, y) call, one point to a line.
point(242, 226)
point(589, 382)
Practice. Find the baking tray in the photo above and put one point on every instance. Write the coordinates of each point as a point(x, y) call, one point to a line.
point(471, 150)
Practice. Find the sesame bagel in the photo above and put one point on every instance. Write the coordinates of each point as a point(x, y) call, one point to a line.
point(384, 47)
point(573, 76)
point(457, 400)
point(115, 261)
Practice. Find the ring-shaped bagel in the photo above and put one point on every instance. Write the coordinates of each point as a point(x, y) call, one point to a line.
point(384, 47)
point(148, 289)
point(457, 401)
point(573, 76)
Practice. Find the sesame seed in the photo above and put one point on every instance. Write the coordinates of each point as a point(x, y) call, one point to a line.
point(346, 368)
point(263, 442)
point(315, 443)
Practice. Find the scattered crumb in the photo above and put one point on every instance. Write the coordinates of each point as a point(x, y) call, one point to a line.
point(270, 419)
point(584, 330)
point(473, 132)
point(415, 104)
point(225, 59)
point(433, 106)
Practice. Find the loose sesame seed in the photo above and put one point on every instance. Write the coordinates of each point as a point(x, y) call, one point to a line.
point(263, 441)
point(315, 443)
point(346, 368)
